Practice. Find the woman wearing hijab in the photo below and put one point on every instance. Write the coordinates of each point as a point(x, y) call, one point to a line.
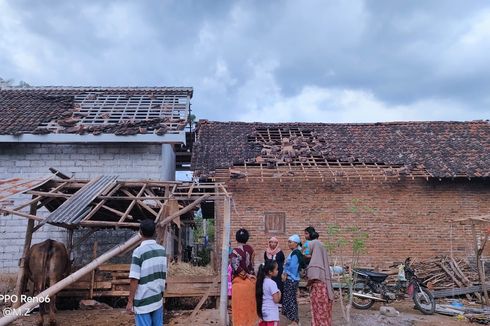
point(320, 285)
point(243, 307)
point(291, 278)
point(274, 252)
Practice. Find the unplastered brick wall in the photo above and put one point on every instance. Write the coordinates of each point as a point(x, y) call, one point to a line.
point(128, 161)
point(403, 218)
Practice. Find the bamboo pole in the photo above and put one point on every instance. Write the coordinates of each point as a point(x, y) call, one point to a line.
point(69, 280)
point(223, 300)
point(21, 277)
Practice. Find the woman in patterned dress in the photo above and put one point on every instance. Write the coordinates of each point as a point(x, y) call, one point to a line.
point(320, 285)
point(243, 310)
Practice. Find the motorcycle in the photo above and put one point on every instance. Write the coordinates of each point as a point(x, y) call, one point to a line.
point(370, 287)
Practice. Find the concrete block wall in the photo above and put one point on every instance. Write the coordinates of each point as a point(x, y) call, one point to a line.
point(128, 160)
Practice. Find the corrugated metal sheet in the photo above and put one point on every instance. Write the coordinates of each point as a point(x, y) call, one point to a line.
point(73, 210)
point(14, 186)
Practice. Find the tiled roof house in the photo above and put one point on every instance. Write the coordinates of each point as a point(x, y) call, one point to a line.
point(401, 182)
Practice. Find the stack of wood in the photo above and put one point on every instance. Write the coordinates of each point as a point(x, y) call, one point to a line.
point(112, 280)
point(443, 272)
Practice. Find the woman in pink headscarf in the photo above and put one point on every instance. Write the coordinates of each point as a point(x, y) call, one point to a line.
point(274, 252)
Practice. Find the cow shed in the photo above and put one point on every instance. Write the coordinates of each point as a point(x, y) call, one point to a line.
point(106, 202)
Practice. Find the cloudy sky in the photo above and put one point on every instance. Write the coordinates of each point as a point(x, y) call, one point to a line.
point(331, 61)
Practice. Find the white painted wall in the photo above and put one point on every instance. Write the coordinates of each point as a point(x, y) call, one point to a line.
point(129, 161)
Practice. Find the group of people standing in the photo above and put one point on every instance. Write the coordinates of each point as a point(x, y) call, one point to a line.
point(260, 296)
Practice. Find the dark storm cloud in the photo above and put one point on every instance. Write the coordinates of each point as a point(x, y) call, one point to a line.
point(264, 60)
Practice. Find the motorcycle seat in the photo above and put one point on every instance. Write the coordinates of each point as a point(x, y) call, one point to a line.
point(375, 276)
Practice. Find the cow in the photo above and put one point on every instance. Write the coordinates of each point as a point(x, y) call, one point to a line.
point(47, 263)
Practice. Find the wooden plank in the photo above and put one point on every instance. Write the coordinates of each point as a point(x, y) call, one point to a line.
point(456, 291)
point(109, 224)
point(120, 275)
point(191, 279)
point(86, 285)
point(112, 294)
point(49, 194)
point(121, 282)
point(114, 267)
point(212, 288)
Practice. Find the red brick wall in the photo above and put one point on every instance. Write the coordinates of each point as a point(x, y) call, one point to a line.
point(403, 218)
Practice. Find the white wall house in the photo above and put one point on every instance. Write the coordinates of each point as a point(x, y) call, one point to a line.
point(86, 132)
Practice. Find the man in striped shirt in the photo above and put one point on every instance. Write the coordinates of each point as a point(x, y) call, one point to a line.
point(147, 279)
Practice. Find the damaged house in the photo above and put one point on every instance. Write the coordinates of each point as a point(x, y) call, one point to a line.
point(402, 183)
point(131, 133)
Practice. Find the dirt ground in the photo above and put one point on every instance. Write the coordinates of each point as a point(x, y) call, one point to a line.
point(408, 316)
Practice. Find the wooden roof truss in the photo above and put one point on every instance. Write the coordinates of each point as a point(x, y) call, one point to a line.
point(119, 204)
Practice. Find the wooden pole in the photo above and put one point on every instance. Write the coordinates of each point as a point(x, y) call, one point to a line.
point(479, 265)
point(183, 210)
point(92, 278)
point(69, 280)
point(21, 277)
point(223, 300)
point(70, 243)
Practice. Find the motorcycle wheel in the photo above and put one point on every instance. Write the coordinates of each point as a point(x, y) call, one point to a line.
point(424, 301)
point(362, 287)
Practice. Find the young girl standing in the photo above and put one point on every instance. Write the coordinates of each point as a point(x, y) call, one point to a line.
point(267, 294)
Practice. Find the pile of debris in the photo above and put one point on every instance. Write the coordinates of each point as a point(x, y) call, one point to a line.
point(473, 314)
point(289, 149)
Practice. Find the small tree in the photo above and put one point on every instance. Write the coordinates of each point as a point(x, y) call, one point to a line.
point(7, 83)
point(347, 244)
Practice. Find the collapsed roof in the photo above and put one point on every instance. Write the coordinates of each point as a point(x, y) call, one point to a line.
point(442, 149)
point(116, 111)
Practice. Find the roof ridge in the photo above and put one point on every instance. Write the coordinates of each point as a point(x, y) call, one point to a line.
point(481, 121)
point(53, 87)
